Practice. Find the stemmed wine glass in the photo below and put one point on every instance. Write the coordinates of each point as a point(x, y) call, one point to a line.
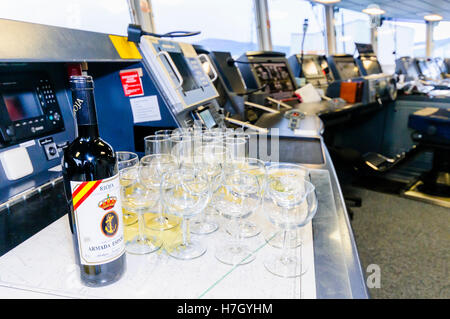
point(185, 192)
point(151, 169)
point(272, 235)
point(157, 144)
point(290, 203)
point(138, 199)
point(124, 160)
point(211, 158)
point(239, 197)
point(257, 168)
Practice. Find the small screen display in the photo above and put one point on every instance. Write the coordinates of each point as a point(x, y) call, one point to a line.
point(21, 105)
point(310, 68)
point(277, 78)
point(347, 69)
point(372, 66)
point(189, 82)
point(207, 118)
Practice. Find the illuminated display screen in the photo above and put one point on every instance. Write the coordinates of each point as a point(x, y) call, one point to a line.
point(310, 68)
point(372, 66)
point(347, 70)
point(276, 77)
point(21, 105)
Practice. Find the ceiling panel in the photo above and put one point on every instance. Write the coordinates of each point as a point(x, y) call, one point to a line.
point(403, 9)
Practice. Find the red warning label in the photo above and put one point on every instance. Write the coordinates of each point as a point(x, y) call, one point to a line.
point(131, 83)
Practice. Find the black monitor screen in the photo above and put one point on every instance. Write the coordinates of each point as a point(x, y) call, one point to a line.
point(310, 68)
point(21, 105)
point(189, 82)
point(347, 69)
point(230, 73)
point(372, 66)
point(276, 75)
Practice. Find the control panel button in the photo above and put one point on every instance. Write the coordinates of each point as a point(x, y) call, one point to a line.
point(51, 151)
point(10, 131)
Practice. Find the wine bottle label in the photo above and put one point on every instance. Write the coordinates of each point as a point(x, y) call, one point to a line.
point(98, 219)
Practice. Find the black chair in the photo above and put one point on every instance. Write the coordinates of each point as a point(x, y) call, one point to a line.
point(432, 132)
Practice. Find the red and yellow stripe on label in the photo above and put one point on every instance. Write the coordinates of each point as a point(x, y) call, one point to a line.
point(82, 192)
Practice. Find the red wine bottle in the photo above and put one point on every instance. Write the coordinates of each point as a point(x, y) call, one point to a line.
point(92, 188)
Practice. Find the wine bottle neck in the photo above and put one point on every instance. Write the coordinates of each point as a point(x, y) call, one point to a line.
point(88, 131)
point(84, 108)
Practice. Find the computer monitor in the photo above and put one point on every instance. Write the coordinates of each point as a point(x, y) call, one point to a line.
point(371, 65)
point(346, 67)
point(310, 68)
point(229, 72)
point(276, 78)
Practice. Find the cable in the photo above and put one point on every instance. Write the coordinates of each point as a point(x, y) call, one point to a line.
point(231, 62)
point(253, 91)
point(135, 32)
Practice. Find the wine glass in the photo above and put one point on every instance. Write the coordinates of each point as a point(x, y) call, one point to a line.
point(151, 169)
point(126, 159)
point(211, 158)
point(290, 203)
point(255, 167)
point(239, 197)
point(272, 235)
point(166, 133)
point(185, 192)
point(137, 199)
point(183, 147)
point(157, 144)
point(237, 146)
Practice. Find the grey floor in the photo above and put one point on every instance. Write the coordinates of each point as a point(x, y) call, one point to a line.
point(409, 240)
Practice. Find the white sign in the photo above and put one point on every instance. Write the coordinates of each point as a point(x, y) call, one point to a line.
point(145, 109)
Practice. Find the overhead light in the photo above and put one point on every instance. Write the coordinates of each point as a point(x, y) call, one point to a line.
point(327, 1)
point(374, 10)
point(433, 17)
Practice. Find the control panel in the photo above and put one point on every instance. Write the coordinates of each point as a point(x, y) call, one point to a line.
point(294, 117)
point(268, 71)
point(179, 73)
point(381, 87)
point(314, 69)
point(28, 108)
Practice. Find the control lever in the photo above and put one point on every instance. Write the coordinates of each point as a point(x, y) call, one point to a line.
point(378, 98)
point(261, 107)
point(246, 124)
point(278, 103)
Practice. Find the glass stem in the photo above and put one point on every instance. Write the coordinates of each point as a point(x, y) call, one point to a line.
point(286, 237)
point(185, 229)
point(161, 218)
point(141, 221)
point(237, 231)
point(285, 254)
